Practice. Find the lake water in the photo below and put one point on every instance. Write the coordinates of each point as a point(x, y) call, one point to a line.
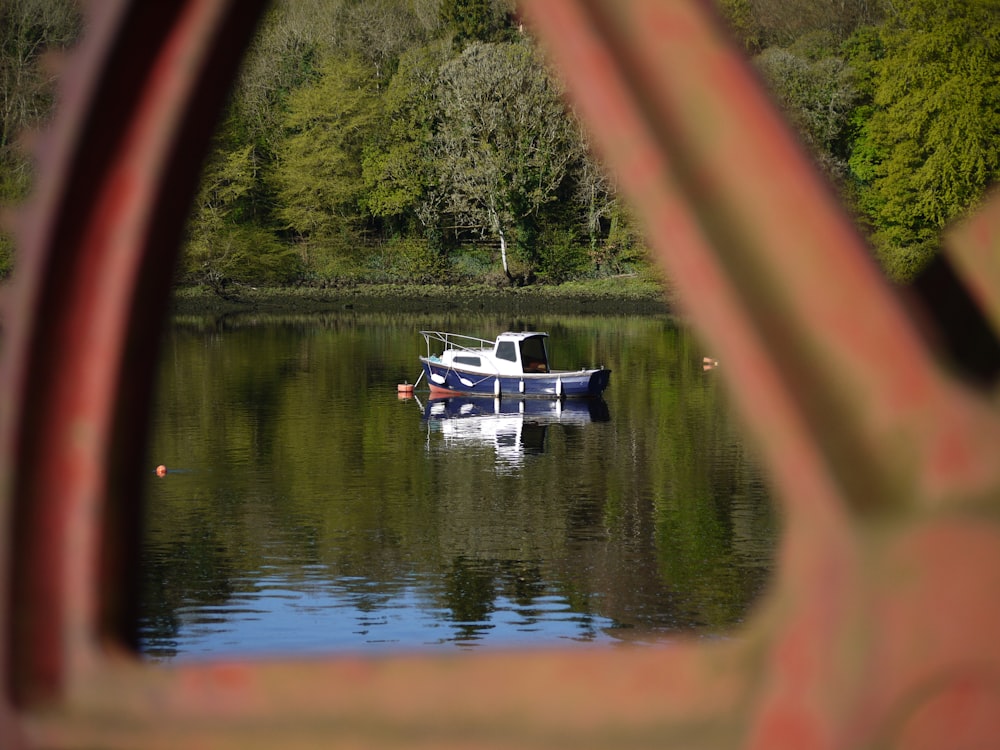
point(308, 509)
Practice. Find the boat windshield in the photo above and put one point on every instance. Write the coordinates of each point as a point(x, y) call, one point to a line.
point(505, 350)
point(533, 355)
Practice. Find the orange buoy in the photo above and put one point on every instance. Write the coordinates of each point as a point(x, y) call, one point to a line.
point(404, 388)
point(161, 470)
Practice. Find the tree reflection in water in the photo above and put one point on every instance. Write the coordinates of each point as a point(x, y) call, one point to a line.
point(317, 511)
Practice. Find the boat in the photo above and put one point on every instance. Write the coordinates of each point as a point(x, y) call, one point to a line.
point(515, 365)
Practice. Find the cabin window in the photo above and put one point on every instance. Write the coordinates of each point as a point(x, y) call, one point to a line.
point(533, 355)
point(507, 350)
point(473, 361)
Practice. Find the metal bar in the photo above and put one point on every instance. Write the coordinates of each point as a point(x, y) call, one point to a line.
point(853, 414)
point(734, 208)
point(974, 247)
point(881, 625)
point(97, 246)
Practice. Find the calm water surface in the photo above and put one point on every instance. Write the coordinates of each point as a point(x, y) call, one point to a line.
point(307, 508)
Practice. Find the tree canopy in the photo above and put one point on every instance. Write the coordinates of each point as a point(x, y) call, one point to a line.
point(930, 146)
point(404, 139)
point(29, 29)
point(505, 144)
point(898, 102)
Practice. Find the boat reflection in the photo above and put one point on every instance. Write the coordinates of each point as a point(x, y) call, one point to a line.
point(515, 428)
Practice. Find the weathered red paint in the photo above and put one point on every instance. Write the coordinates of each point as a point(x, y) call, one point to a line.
point(96, 249)
point(880, 629)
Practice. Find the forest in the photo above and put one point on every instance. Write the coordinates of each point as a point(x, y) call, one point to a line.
point(427, 141)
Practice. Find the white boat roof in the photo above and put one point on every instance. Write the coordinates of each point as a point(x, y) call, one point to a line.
point(520, 335)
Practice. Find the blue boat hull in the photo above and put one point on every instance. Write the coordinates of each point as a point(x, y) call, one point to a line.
point(563, 384)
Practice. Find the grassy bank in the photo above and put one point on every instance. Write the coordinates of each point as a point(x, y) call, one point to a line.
point(628, 294)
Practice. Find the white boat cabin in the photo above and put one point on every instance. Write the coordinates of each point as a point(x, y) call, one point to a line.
point(511, 354)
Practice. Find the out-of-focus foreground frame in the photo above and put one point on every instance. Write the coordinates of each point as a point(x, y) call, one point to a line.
point(881, 625)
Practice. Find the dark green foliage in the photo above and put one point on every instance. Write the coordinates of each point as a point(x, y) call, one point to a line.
point(29, 29)
point(242, 254)
point(561, 256)
point(760, 24)
point(407, 260)
point(379, 31)
point(6, 255)
point(743, 23)
point(928, 145)
point(425, 139)
point(818, 94)
point(505, 145)
point(228, 239)
point(401, 124)
point(318, 175)
point(399, 168)
point(476, 21)
point(625, 250)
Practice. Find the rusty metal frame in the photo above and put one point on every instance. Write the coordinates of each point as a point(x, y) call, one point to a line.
point(880, 628)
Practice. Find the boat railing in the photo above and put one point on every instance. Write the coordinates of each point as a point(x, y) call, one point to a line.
point(455, 341)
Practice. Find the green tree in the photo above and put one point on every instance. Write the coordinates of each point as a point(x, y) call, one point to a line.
point(379, 31)
point(232, 234)
point(930, 145)
point(505, 144)
point(28, 30)
point(225, 242)
point(766, 23)
point(817, 92)
point(742, 21)
point(476, 20)
point(594, 196)
point(282, 57)
point(400, 173)
point(319, 177)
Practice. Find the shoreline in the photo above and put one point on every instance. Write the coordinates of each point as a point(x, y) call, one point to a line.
point(632, 296)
